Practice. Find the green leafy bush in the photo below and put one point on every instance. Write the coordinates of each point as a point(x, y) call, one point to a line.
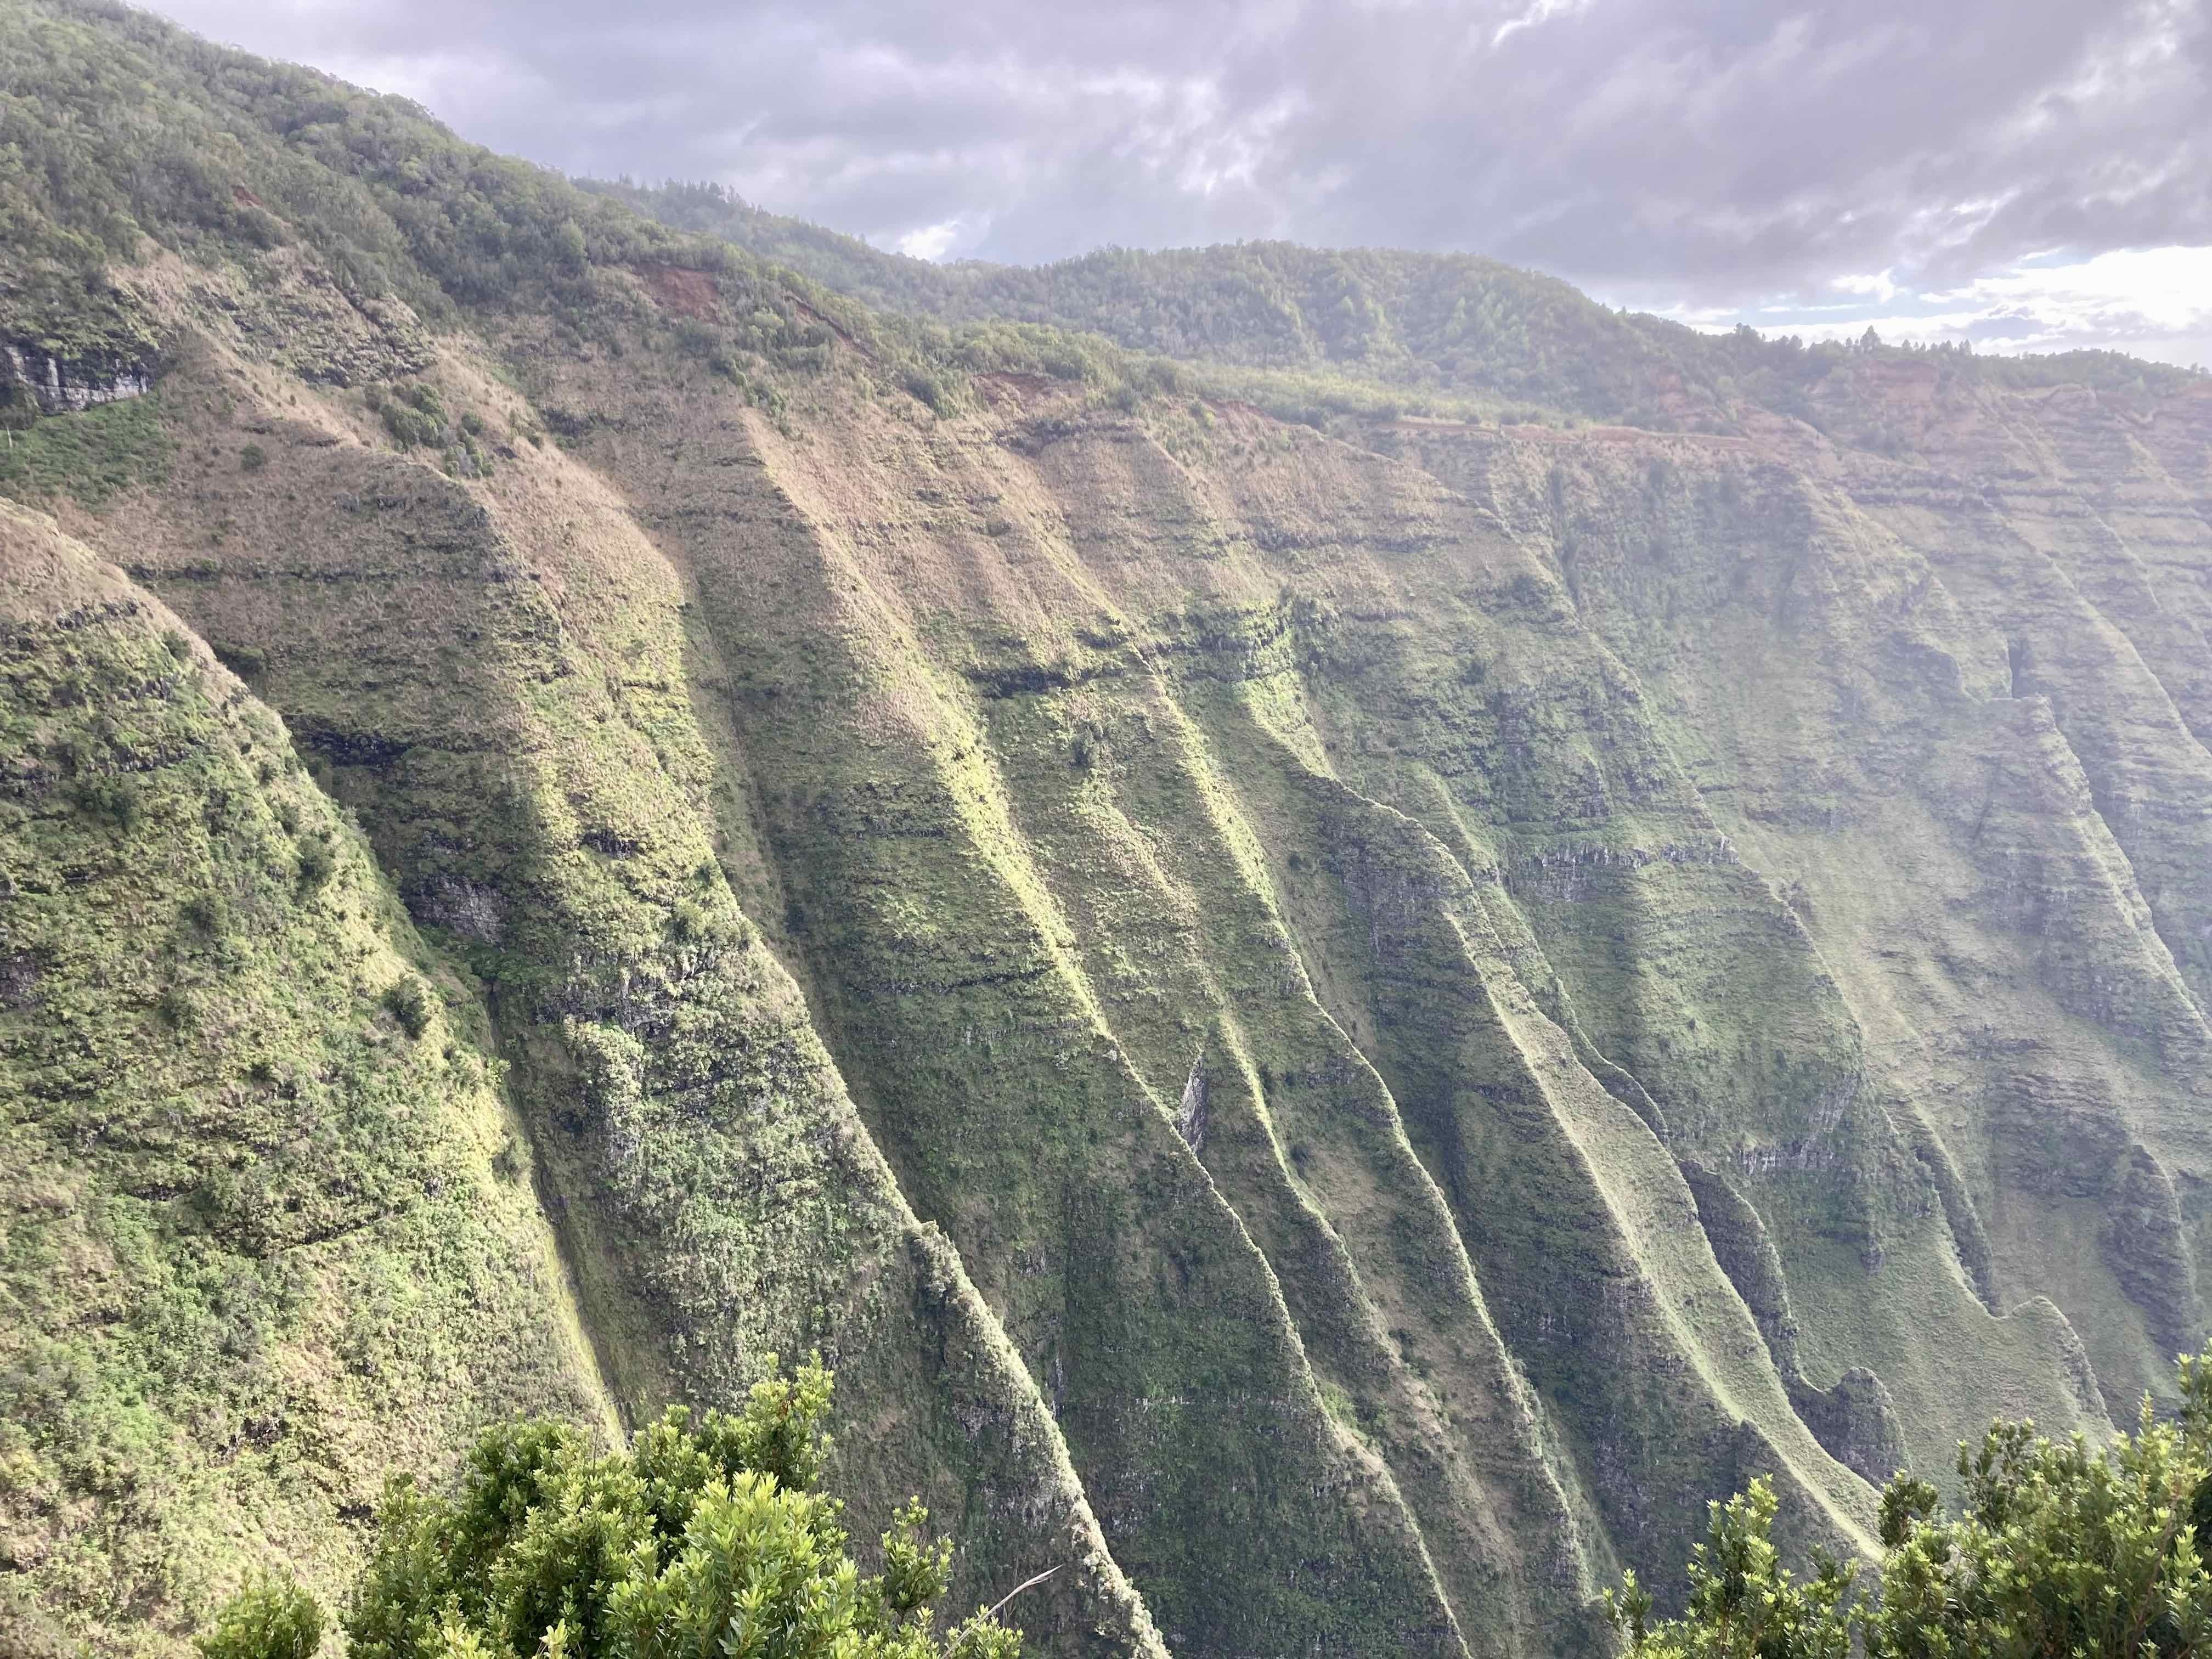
point(271, 1619)
point(928, 389)
point(208, 914)
point(415, 416)
point(409, 1004)
point(705, 1537)
point(120, 802)
point(317, 863)
point(2055, 1549)
point(248, 662)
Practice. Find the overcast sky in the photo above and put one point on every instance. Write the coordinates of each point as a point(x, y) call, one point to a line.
point(2029, 174)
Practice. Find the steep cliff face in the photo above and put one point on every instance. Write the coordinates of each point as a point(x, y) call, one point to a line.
point(494, 679)
point(1923, 730)
point(1331, 1033)
point(269, 1228)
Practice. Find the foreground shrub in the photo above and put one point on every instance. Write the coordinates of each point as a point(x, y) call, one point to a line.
point(2055, 1549)
point(704, 1539)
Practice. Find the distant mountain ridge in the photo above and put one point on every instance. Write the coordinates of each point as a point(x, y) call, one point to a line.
point(1331, 1022)
point(1428, 325)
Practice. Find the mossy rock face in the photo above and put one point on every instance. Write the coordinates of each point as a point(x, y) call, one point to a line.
point(536, 785)
point(1045, 859)
point(1628, 897)
point(260, 1244)
point(1854, 669)
point(1332, 1036)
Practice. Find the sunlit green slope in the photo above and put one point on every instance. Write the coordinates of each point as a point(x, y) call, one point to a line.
point(268, 1227)
point(1332, 1032)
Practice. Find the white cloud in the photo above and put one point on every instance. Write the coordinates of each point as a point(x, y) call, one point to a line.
point(1539, 12)
point(931, 242)
point(2155, 302)
point(2155, 290)
point(1876, 285)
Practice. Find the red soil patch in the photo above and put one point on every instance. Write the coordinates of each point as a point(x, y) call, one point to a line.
point(243, 197)
point(686, 292)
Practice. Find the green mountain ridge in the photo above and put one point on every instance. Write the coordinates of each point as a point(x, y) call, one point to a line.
point(1315, 331)
point(1331, 1031)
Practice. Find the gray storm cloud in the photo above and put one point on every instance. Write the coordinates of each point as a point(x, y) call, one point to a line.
point(1702, 153)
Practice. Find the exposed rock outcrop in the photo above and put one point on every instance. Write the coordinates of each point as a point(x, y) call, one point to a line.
point(58, 385)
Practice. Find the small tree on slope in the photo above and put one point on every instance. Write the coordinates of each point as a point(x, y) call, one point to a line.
point(704, 1539)
point(2057, 1551)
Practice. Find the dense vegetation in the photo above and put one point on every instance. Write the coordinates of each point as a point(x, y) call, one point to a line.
point(705, 1540)
point(122, 140)
point(1333, 1035)
point(1370, 329)
point(120, 137)
point(266, 1223)
point(2056, 1548)
point(1454, 327)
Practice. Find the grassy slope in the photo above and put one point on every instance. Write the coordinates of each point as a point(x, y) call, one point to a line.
point(495, 677)
point(262, 1242)
point(1216, 975)
point(492, 676)
point(944, 968)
